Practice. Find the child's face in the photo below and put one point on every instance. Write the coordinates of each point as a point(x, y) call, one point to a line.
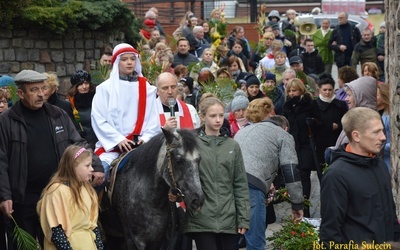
point(382, 30)
point(237, 49)
point(214, 118)
point(84, 169)
point(280, 60)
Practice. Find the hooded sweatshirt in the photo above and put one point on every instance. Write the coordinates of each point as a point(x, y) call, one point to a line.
point(357, 201)
point(364, 90)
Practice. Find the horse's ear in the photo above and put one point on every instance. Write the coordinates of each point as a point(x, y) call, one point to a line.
point(169, 136)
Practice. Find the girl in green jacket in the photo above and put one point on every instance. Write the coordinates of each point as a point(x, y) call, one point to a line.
point(226, 210)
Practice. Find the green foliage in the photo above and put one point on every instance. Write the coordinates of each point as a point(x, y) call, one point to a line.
point(24, 240)
point(294, 236)
point(62, 17)
point(223, 88)
point(101, 73)
point(10, 10)
point(54, 17)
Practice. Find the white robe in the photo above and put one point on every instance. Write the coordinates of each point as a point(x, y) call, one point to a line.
point(192, 110)
point(112, 125)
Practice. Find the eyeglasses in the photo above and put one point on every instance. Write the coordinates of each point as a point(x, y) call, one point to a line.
point(5, 102)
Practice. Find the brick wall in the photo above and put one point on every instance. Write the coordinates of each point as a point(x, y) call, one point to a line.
point(43, 52)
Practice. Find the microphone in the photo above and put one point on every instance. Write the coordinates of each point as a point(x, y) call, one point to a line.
point(171, 105)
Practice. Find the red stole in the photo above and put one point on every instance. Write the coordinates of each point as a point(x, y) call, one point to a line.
point(185, 121)
point(141, 113)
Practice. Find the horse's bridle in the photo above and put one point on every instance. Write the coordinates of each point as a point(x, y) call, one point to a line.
point(174, 190)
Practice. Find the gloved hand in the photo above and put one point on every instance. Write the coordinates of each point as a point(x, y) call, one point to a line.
point(309, 121)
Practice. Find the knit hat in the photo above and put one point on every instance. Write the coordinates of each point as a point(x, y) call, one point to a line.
point(149, 23)
point(383, 24)
point(80, 77)
point(251, 80)
point(188, 81)
point(29, 76)
point(6, 81)
point(240, 101)
point(274, 25)
point(270, 76)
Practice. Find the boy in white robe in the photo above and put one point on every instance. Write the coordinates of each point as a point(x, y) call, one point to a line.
point(124, 111)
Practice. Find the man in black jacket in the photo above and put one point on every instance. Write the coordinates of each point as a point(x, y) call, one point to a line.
point(33, 136)
point(183, 56)
point(343, 39)
point(312, 61)
point(357, 206)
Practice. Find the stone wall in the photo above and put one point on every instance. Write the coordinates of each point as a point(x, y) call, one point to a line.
point(392, 65)
point(46, 52)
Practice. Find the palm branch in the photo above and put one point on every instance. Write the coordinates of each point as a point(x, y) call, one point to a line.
point(24, 240)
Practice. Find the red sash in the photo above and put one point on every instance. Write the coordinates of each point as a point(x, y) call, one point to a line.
point(185, 121)
point(141, 113)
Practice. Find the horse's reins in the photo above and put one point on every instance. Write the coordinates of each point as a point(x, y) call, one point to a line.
point(175, 190)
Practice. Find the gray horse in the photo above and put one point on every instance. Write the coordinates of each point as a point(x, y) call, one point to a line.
point(140, 198)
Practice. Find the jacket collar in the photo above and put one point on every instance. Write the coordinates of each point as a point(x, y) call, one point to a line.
point(16, 113)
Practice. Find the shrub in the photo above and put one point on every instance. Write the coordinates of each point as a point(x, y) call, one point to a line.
point(61, 17)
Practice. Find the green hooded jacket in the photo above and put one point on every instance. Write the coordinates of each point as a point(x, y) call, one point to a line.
point(223, 179)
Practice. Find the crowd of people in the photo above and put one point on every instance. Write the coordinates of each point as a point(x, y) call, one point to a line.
point(285, 120)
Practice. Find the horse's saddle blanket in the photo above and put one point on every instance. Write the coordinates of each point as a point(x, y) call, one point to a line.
point(116, 166)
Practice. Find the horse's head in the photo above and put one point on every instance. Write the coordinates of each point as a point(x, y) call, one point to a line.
point(183, 166)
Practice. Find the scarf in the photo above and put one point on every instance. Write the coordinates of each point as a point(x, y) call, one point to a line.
point(328, 100)
point(280, 68)
point(242, 122)
point(83, 100)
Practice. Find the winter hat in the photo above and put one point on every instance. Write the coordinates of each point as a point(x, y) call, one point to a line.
point(29, 76)
point(251, 80)
point(6, 81)
point(240, 101)
point(274, 13)
point(274, 25)
point(188, 81)
point(79, 77)
point(149, 23)
point(270, 76)
point(383, 24)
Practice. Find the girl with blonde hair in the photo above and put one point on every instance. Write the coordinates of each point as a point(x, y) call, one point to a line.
point(68, 207)
point(222, 217)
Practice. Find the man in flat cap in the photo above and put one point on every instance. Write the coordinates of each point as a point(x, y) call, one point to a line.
point(33, 136)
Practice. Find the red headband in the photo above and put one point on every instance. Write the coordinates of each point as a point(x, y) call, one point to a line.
point(122, 50)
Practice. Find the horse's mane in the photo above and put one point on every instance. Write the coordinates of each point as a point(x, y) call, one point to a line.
point(145, 157)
